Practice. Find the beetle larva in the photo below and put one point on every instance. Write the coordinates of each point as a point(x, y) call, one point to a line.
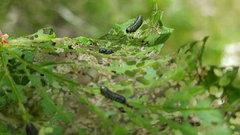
point(105, 51)
point(111, 95)
point(31, 129)
point(135, 25)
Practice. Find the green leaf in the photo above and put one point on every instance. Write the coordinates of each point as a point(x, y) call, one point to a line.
point(131, 73)
point(224, 81)
point(152, 38)
point(143, 80)
point(179, 73)
point(186, 129)
point(4, 130)
point(119, 131)
point(211, 78)
point(48, 105)
point(82, 40)
point(151, 73)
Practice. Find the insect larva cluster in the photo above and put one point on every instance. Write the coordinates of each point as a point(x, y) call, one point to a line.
point(135, 25)
point(105, 51)
point(111, 95)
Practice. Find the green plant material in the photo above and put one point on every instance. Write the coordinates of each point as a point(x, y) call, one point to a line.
point(4, 130)
point(82, 40)
point(15, 89)
point(56, 84)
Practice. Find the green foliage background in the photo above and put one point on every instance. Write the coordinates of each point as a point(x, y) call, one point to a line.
point(171, 91)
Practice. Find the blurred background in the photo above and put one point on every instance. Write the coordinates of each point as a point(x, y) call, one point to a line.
point(191, 19)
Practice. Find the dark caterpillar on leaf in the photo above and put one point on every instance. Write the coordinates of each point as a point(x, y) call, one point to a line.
point(31, 129)
point(135, 25)
point(111, 95)
point(105, 51)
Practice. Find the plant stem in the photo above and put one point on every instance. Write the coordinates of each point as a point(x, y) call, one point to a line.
point(14, 87)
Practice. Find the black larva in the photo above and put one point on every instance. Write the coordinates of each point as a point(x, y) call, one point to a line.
point(31, 129)
point(105, 51)
point(135, 25)
point(111, 95)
